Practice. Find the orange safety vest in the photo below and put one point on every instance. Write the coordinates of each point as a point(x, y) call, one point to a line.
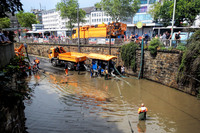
point(37, 61)
point(142, 109)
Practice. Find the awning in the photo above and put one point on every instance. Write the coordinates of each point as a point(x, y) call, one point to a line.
point(101, 56)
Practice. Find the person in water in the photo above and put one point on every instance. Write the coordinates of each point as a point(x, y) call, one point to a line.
point(142, 112)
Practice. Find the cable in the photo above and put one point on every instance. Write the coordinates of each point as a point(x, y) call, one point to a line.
point(141, 61)
point(125, 108)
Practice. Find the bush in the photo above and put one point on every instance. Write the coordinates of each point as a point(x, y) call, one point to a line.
point(153, 45)
point(128, 54)
point(189, 70)
point(181, 47)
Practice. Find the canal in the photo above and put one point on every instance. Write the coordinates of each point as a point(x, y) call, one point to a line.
point(80, 104)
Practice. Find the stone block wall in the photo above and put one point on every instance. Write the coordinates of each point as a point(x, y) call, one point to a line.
point(7, 52)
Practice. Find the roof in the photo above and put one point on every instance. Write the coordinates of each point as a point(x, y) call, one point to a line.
point(88, 9)
point(101, 56)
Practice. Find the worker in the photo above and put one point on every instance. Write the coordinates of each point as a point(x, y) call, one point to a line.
point(142, 112)
point(106, 73)
point(37, 61)
point(66, 68)
point(29, 69)
point(91, 70)
point(78, 68)
point(123, 70)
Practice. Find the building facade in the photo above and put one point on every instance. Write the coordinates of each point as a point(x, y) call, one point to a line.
point(52, 20)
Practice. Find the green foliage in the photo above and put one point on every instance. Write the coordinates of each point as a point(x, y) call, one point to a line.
point(189, 70)
point(120, 9)
point(15, 71)
point(4, 23)
point(10, 6)
point(153, 45)
point(181, 47)
point(128, 54)
point(195, 37)
point(186, 10)
point(26, 19)
point(68, 9)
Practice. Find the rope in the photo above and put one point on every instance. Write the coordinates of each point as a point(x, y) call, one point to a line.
point(132, 131)
point(141, 61)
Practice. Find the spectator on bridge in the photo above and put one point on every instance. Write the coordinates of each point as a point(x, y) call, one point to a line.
point(146, 37)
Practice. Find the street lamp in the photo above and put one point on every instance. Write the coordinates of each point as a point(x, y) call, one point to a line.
point(173, 22)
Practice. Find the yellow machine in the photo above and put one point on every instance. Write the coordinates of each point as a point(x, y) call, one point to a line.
point(59, 56)
point(100, 31)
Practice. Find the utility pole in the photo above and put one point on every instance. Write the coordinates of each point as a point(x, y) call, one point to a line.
point(78, 27)
point(173, 22)
point(110, 40)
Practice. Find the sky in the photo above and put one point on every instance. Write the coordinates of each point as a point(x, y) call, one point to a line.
point(50, 4)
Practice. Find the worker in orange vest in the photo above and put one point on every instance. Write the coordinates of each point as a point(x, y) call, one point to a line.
point(37, 62)
point(29, 69)
point(66, 68)
point(142, 112)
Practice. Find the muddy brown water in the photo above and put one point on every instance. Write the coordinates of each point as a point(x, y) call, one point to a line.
point(80, 104)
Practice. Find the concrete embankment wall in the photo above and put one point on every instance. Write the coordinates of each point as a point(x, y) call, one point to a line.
point(7, 52)
point(162, 69)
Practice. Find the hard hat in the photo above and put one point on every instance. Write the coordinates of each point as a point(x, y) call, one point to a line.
point(142, 105)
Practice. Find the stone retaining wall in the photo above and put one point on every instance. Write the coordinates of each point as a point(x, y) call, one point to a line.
point(7, 52)
point(162, 69)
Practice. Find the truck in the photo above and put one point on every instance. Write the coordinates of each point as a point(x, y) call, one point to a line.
point(114, 29)
point(58, 56)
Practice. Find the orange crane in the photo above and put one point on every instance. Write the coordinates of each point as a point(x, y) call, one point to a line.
point(18, 51)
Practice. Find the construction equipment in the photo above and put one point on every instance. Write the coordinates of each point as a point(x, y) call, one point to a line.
point(59, 56)
point(18, 51)
point(100, 31)
point(102, 61)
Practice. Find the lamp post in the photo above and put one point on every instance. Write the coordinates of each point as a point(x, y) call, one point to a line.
point(110, 40)
point(173, 22)
point(78, 27)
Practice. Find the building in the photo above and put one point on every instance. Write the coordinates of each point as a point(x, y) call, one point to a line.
point(13, 21)
point(143, 16)
point(38, 14)
point(36, 27)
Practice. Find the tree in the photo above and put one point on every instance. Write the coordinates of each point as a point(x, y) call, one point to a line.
point(9, 6)
point(68, 10)
point(4, 22)
point(120, 9)
point(186, 10)
point(26, 19)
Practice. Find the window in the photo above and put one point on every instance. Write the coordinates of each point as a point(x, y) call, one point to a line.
point(143, 1)
point(99, 14)
point(99, 20)
point(152, 1)
point(142, 9)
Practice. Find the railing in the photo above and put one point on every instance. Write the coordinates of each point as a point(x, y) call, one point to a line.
point(45, 40)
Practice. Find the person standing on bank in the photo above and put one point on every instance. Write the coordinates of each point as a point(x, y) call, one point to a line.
point(146, 37)
point(66, 69)
point(123, 70)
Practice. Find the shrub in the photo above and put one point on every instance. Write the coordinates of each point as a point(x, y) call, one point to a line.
point(128, 54)
point(153, 45)
point(189, 70)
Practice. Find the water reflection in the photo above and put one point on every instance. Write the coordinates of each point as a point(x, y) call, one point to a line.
point(78, 103)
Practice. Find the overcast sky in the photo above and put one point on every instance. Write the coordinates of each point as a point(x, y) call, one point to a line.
point(50, 4)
